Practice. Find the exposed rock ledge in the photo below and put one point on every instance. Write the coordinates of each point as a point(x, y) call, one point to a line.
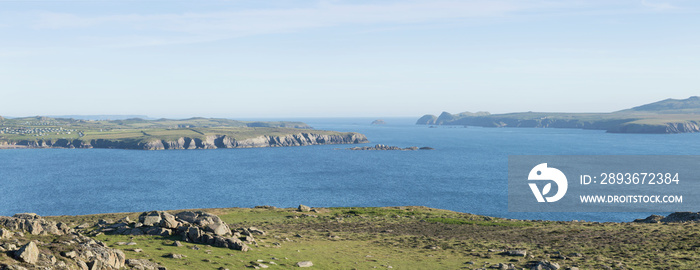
point(207, 142)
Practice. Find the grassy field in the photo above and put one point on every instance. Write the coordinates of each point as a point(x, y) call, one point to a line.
point(419, 238)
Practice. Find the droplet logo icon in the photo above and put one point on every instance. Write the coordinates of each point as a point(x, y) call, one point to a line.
point(543, 173)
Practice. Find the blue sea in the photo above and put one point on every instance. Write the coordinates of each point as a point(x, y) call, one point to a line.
point(467, 171)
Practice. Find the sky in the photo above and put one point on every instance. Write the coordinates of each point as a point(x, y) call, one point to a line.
point(288, 58)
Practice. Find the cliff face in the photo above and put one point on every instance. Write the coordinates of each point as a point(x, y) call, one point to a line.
point(677, 127)
point(208, 142)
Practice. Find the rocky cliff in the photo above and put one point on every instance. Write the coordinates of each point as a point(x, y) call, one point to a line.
point(205, 142)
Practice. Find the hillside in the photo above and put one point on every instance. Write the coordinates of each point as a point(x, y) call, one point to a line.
point(667, 116)
point(410, 237)
point(136, 133)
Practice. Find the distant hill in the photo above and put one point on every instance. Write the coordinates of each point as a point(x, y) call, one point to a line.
point(670, 106)
point(100, 117)
point(666, 116)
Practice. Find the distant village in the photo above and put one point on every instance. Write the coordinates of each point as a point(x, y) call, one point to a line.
point(29, 130)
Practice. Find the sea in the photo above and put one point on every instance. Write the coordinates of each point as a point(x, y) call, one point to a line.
point(466, 172)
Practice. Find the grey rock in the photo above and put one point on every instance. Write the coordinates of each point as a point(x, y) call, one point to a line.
point(150, 218)
point(305, 264)
point(5, 234)
point(28, 253)
point(516, 252)
point(303, 208)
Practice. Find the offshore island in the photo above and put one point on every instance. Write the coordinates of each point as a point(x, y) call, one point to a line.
point(666, 116)
point(137, 133)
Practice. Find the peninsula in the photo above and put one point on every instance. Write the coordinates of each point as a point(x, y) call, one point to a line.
point(137, 133)
point(666, 116)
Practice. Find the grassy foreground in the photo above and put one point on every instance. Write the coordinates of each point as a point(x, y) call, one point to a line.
point(417, 238)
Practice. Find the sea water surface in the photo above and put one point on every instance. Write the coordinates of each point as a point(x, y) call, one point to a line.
point(466, 172)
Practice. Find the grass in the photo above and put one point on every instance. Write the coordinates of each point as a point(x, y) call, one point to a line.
point(415, 237)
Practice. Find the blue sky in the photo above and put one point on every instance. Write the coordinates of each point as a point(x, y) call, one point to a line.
point(243, 59)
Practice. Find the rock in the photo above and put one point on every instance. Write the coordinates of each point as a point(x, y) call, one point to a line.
point(5, 234)
point(131, 244)
point(218, 227)
point(187, 216)
point(516, 252)
point(384, 147)
point(194, 234)
point(175, 256)
point(379, 122)
point(303, 208)
point(82, 265)
point(168, 221)
point(305, 264)
point(682, 217)
point(150, 218)
point(69, 254)
point(28, 253)
point(26, 216)
point(650, 219)
point(545, 265)
point(177, 244)
point(256, 231)
point(95, 265)
point(426, 148)
point(125, 220)
point(142, 264)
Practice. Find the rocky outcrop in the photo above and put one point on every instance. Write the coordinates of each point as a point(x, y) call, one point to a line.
point(34, 224)
point(674, 217)
point(28, 253)
point(206, 142)
point(387, 147)
point(379, 122)
point(192, 226)
point(75, 250)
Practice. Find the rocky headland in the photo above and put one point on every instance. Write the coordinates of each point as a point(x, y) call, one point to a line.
point(205, 142)
point(663, 117)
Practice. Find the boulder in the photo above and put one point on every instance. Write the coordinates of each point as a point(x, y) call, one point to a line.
point(516, 252)
point(5, 234)
point(28, 253)
point(187, 216)
point(142, 264)
point(303, 208)
point(194, 234)
point(305, 264)
point(168, 221)
point(150, 218)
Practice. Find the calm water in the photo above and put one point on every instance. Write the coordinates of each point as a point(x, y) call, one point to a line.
point(466, 172)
